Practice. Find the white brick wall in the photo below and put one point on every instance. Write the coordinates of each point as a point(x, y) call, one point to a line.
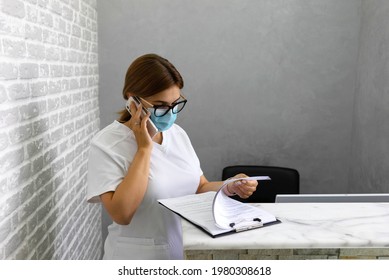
point(48, 114)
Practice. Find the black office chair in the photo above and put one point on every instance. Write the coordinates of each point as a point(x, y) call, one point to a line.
point(283, 181)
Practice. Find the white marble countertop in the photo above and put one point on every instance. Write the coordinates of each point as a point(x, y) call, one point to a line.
point(305, 225)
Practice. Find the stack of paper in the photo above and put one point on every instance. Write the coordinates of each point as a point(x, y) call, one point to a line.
point(217, 214)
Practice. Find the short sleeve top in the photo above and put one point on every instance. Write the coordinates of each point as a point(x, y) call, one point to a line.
point(154, 232)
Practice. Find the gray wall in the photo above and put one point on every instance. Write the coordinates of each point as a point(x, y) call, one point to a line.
point(48, 114)
point(269, 82)
point(370, 157)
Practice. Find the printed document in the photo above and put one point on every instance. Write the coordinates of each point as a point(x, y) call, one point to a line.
point(216, 213)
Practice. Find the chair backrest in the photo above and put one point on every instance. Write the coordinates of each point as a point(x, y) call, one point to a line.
point(283, 181)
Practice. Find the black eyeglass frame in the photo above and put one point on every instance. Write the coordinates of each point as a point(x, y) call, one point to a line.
point(168, 107)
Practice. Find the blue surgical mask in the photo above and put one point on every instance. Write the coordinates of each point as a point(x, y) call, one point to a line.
point(165, 122)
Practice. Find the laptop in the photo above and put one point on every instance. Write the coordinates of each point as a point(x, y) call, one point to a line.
point(331, 198)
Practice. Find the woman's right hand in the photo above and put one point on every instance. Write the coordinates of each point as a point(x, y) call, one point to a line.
point(139, 127)
point(122, 203)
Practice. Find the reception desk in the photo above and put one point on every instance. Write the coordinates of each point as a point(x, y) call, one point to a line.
point(306, 231)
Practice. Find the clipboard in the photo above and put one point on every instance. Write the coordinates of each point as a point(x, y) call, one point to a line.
point(210, 233)
point(205, 211)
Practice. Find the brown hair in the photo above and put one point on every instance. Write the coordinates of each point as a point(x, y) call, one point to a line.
point(149, 74)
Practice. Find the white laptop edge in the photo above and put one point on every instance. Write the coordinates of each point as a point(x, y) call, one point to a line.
point(317, 198)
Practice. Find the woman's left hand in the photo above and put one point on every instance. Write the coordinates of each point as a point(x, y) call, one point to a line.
point(243, 188)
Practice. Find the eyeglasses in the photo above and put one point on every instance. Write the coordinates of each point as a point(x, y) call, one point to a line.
point(161, 110)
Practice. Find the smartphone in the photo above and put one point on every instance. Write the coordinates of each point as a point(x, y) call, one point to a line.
point(151, 128)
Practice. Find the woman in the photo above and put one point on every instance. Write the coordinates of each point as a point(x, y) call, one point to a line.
point(129, 171)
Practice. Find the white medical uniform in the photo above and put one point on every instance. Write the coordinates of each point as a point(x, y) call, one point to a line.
point(154, 232)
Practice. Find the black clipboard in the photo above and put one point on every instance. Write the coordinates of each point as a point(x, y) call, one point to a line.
point(211, 228)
